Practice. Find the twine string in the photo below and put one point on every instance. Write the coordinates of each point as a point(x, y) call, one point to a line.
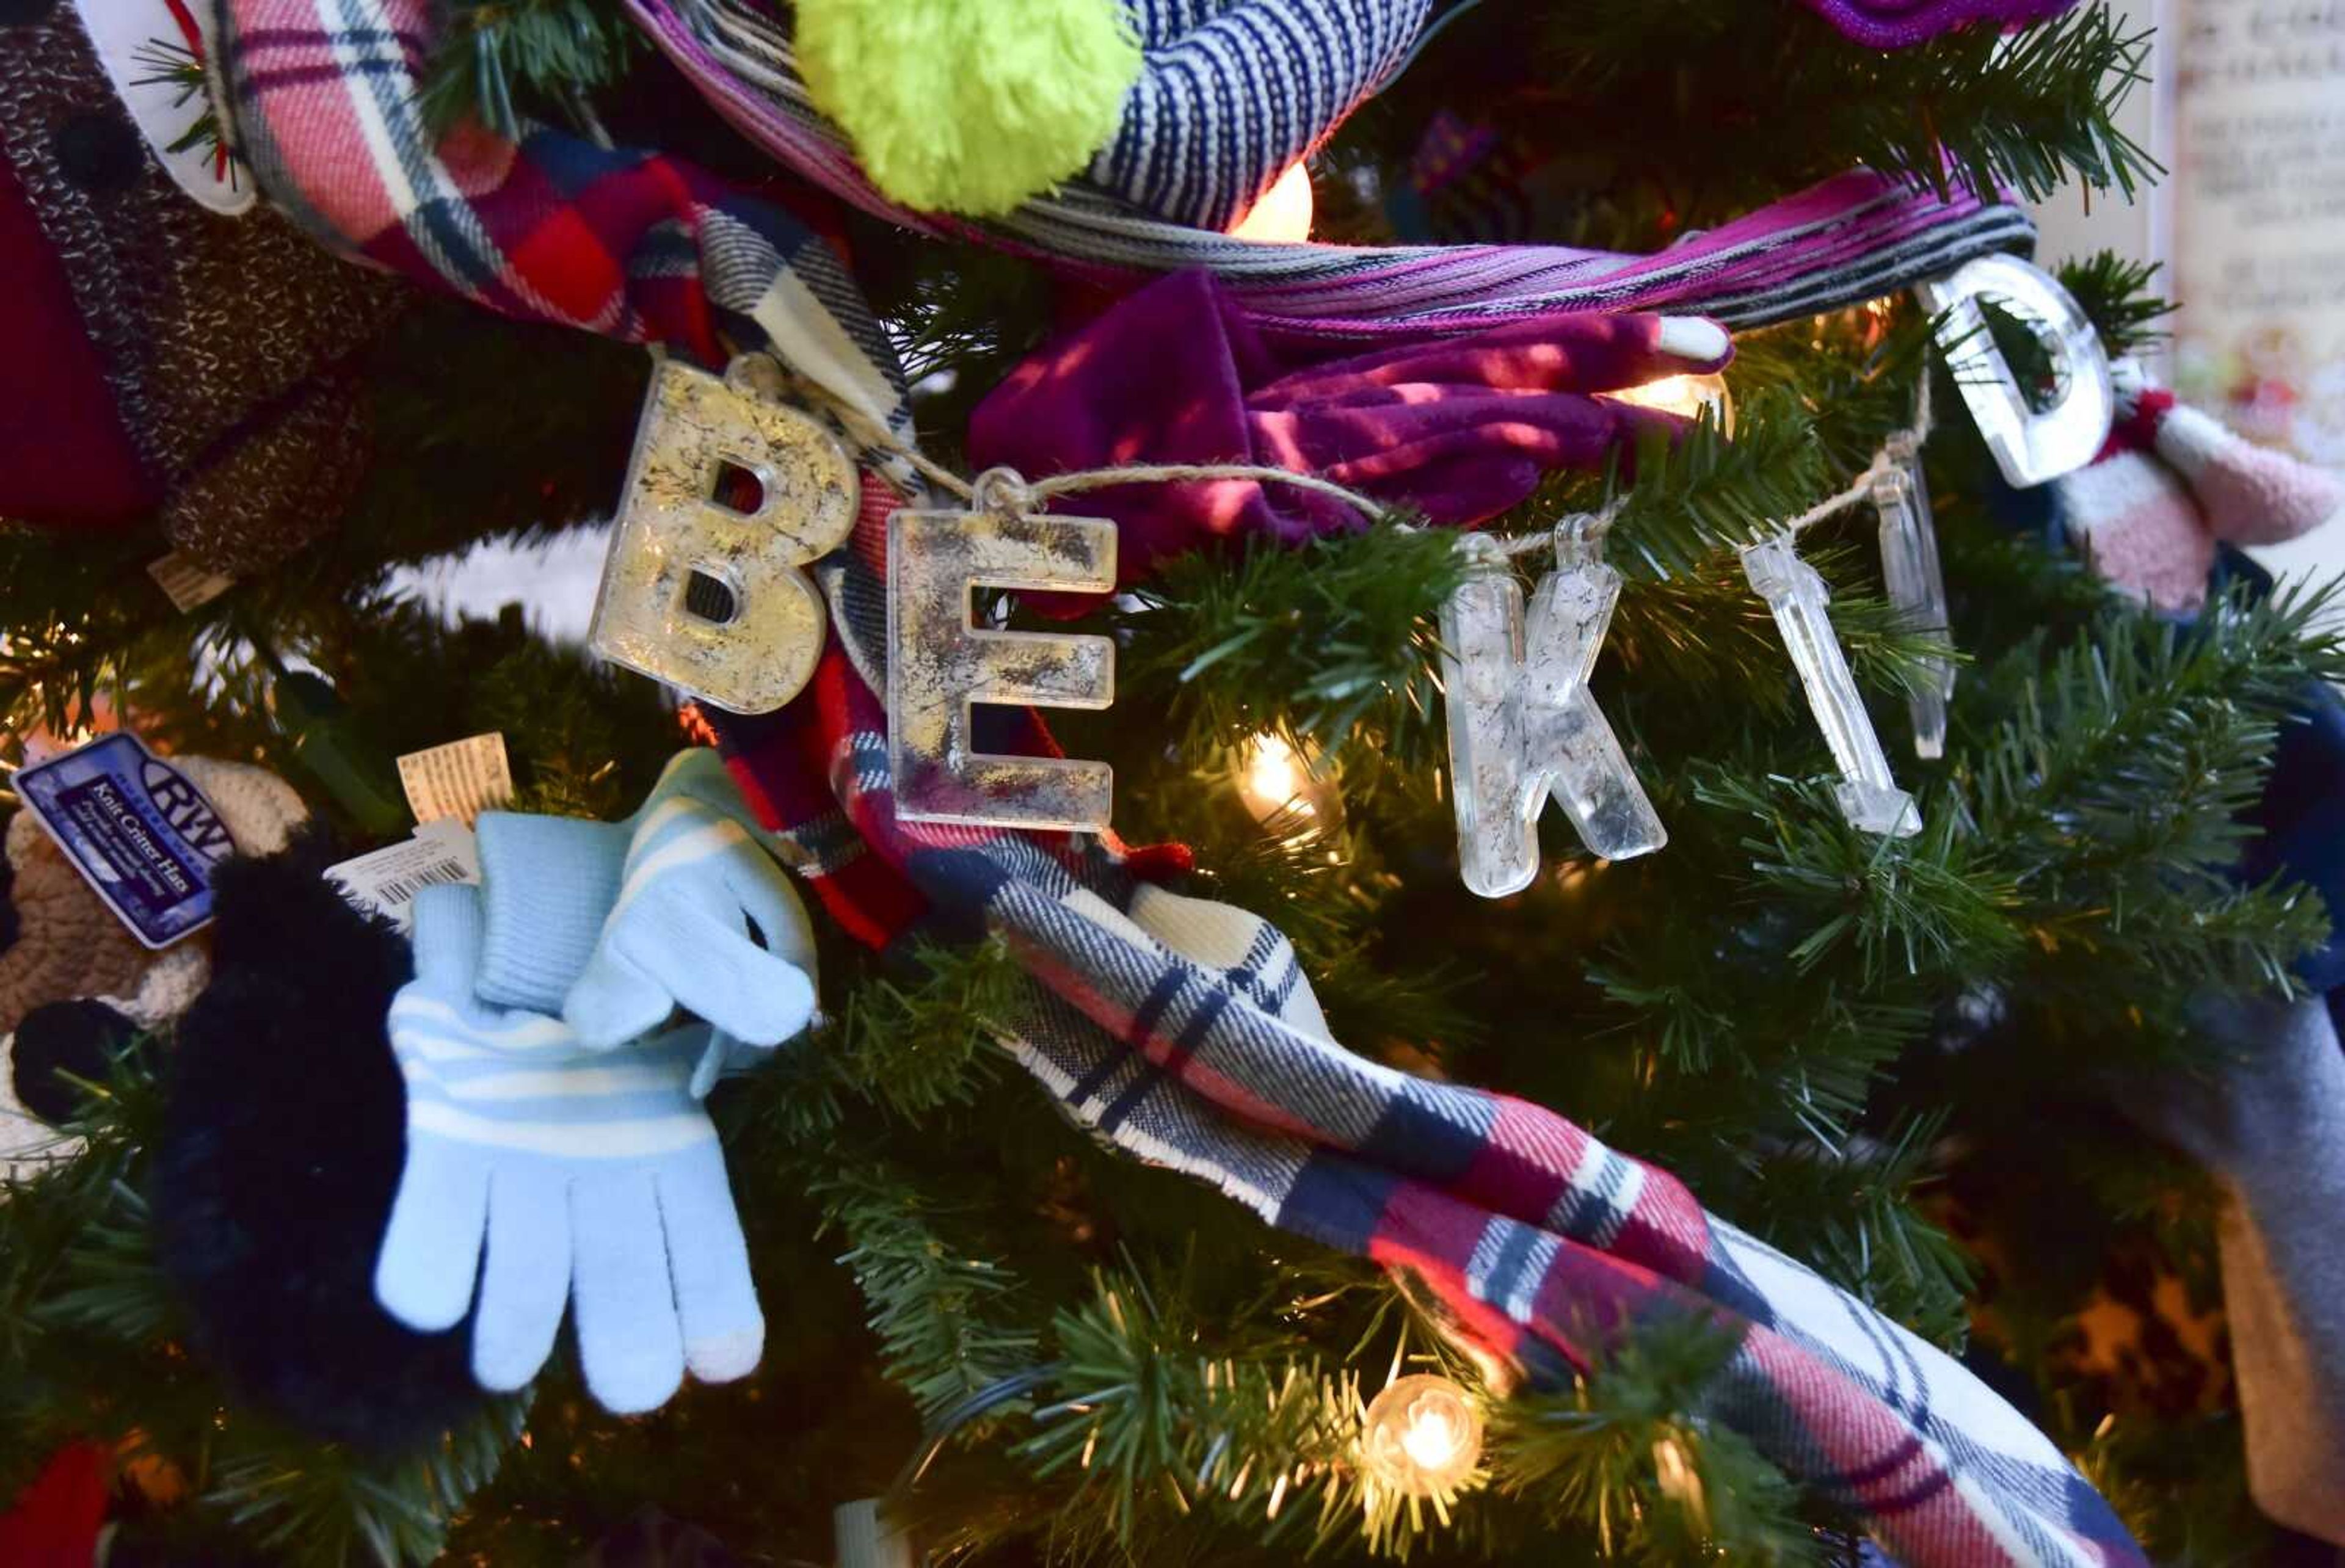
point(1003, 489)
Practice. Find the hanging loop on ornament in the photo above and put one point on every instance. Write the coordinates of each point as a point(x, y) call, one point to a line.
point(1002, 492)
point(759, 375)
point(1579, 539)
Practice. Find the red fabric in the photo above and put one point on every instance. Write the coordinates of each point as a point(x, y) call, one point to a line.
point(66, 459)
point(56, 1521)
point(2140, 431)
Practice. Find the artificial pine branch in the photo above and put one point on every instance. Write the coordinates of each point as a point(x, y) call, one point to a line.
point(323, 1505)
point(2113, 291)
point(1626, 1455)
point(950, 1324)
point(1852, 1213)
point(1926, 906)
point(1327, 643)
point(2114, 789)
point(496, 59)
point(1972, 107)
point(1155, 1419)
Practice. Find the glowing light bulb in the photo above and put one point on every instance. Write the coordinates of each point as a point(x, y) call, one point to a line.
point(1686, 396)
point(1282, 216)
point(1423, 1436)
point(1288, 791)
point(1679, 1481)
point(1431, 1441)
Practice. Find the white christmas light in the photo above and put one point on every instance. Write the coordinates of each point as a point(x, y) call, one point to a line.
point(1287, 790)
point(1686, 396)
point(1423, 1436)
point(1283, 216)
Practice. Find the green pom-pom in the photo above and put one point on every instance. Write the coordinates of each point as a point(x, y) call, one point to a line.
point(968, 105)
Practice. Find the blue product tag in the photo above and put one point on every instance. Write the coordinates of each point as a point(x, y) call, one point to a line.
point(137, 830)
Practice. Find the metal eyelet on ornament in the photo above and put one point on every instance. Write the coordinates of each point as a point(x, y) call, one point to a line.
point(2031, 446)
point(730, 494)
point(940, 666)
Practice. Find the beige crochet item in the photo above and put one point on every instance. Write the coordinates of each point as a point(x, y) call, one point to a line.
point(27, 1144)
point(70, 944)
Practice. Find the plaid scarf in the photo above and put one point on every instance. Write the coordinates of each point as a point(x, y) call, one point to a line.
point(1182, 1031)
point(1178, 1028)
point(1853, 237)
point(321, 100)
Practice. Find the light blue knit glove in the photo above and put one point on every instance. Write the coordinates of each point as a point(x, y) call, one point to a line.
point(616, 924)
point(552, 1174)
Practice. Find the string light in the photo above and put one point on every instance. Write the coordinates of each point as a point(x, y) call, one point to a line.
point(1422, 1435)
point(1290, 791)
point(1686, 395)
point(1283, 216)
point(1681, 1483)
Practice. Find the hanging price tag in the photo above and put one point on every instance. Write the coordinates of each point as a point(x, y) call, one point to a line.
point(140, 834)
point(189, 584)
point(460, 780)
point(387, 881)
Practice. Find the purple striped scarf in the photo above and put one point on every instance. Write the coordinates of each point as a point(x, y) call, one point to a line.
point(1853, 237)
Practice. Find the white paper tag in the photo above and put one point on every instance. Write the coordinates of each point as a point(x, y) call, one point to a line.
point(460, 780)
point(387, 881)
point(189, 583)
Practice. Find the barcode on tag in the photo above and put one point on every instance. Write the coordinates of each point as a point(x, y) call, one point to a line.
point(188, 583)
point(458, 780)
point(403, 889)
point(387, 881)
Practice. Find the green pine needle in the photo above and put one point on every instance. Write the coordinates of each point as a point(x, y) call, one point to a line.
point(1332, 642)
point(495, 59)
point(1627, 1455)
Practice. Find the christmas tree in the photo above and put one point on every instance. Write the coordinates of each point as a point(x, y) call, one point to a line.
point(1299, 1158)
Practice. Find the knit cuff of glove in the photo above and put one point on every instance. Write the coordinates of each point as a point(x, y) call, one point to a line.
point(546, 885)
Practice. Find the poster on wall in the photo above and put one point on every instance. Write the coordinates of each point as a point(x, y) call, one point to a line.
point(2260, 219)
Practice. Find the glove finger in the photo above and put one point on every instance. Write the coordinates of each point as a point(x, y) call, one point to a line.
point(764, 891)
point(615, 999)
point(1587, 351)
point(695, 958)
point(623, 1306)
point(431, 1246)
point(724, 1332)
point(525, 1277)
point(721, 1051)
point(700, 774)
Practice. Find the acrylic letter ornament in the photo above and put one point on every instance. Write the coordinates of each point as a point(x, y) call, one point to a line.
point(729, 495)
point(1869, 796)
point(1917, 587)
point(2029, 446)
point(1522, 723)
point(939, 665)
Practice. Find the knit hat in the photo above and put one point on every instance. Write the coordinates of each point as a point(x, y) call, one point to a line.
point(1231, 92)
point(174, 358)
